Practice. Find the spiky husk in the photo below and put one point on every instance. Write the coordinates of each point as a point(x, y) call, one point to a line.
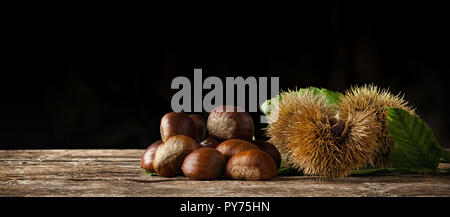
point(373, 100)
point(299, 127)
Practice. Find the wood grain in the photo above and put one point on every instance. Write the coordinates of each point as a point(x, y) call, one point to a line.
point(117, 173)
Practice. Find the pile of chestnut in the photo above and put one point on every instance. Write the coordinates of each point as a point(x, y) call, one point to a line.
point(229, 150)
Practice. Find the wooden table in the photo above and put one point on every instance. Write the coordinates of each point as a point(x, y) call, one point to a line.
point(117, 173)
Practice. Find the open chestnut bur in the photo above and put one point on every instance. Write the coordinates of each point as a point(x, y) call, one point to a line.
point(149, 156)
point(252, 164)
point(204, 164)
point(178, 123)
point(170, 155)
point(230, 122)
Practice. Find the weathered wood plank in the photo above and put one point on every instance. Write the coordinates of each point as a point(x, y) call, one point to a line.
point(117, 173)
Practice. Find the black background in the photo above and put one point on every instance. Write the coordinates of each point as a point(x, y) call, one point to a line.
point(171, 206)
point(100, 78)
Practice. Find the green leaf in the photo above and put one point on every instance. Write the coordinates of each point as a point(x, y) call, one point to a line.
point(265, 107)
point(149, 173)
point(315, 90)
point(380, 171)
point(289, 171)
point(415, 145)
point(332, 97)
point(372, 171)
point(445, 155)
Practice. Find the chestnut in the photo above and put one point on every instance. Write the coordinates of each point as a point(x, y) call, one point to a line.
point(252, 164)
point(230, 122)
point(337, 127)
point(210, 141)
point(200, 126)
point(170, 155)
point(203, 164)
point(177, 123)
point(270, 149)
point(149, 155)
point(233, 146)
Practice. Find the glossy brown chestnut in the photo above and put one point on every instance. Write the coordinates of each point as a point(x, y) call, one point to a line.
point(177, 123)
point(230, 122)
point(210, 141)
point(270, 149)
point(337, 127)
point(149, 155)
point(200, 125)
point(233, 146)
point(170, 155)
point(251, 164)
point(203, 164)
